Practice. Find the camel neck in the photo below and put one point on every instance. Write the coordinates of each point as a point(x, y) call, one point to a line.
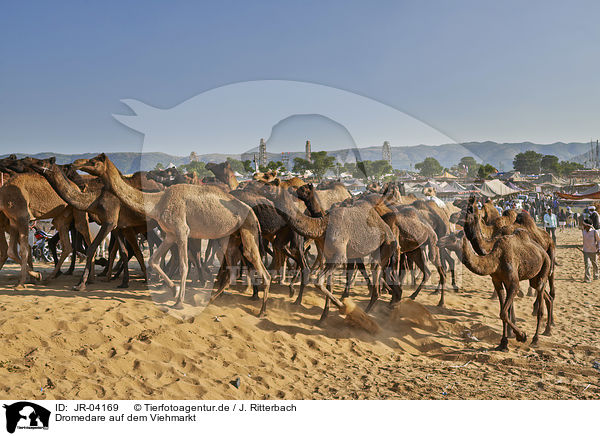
point(480, 265)
point(143, 203)
point(304, 225)
point(68, 190)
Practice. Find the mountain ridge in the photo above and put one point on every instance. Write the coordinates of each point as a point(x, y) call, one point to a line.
point(499, 155)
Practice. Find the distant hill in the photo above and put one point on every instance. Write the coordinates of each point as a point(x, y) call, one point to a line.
point(500, 155)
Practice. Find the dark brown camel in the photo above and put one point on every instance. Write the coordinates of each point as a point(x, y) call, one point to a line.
point(513, 258)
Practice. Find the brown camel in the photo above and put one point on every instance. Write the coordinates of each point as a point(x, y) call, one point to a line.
point(224, 173)
point(188, 211)
point(513, 258)
point(353, 232)
point(27, 197)
point(103, 207)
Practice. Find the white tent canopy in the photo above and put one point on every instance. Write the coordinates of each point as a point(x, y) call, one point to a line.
point(495, 188)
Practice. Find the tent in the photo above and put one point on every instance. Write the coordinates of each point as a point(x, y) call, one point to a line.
point(549, 178)
point(495, 188)
point(447, 175)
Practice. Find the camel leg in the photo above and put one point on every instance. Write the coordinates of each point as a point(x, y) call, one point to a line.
point(131, 237)
point(24, 251)
point(446, 256)
point(539, 287)
point(511, 292)
point(376, 271)
point(251, 252)
point(499, 291)
point(125, 256)
point(105, 229)
point(82, 230)
point(3, 248)
point(549, 310)
point(111, 258)
point(350, 275)
point(326, 273)
point(182, 247)
point(419, 259)
point(113, 247)
point(63, 232)
point(158, 254)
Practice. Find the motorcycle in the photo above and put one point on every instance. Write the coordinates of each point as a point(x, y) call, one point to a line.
point(40, 250)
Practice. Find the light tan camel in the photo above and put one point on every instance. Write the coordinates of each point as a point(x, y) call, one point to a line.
point(513, 258)
point(188, 211)
point(353, 232)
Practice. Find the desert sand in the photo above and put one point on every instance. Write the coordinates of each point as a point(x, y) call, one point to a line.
point(109, 343)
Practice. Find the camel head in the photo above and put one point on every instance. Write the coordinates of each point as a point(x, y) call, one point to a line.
point(374, 187)
point(11, 163)
point(95, 166)
point(305, 192)
point(41, 166)
point(452, 242)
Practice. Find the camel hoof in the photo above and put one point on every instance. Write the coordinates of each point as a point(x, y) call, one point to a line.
point(520, 294)
point(123, 286)
point(291, 291)
point(262, 313)
point(178, 305)
point(455, 288)
point(254, 297)
point(547, 332)
point(436, 292)
point(534, 341)
point(503, 346)
point(522, 338)
point(441, 304)
point(413, 296)
point(80, 287)
point(20, 287)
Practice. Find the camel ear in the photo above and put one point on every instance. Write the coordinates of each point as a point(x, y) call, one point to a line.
point(102, 156)
point(310, 186)
point(52, 160)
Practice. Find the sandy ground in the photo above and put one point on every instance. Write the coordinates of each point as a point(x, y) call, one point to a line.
point(109, 343)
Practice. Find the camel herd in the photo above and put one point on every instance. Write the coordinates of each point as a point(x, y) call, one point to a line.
point(271, 220)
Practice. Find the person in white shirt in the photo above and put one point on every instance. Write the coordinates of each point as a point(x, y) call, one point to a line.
point(550, 224)
point(591, 246)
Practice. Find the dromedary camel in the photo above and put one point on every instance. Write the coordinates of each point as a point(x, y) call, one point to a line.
point(513, 258)
point(27, 197)
point(187, 211)
point(104, 207)
point(345, 233)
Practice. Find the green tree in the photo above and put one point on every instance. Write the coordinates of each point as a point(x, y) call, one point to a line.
point(471, 165)
point(197, 167)
point(429, 167)
point(318, 165)
point(565, 168)
point(276, 165)
point(159, 167)
point(528, 162)
point(301, 165)
point(248, 166)
point(549, 164)
point(321, 163)
point(236, 165)
point(485, 171)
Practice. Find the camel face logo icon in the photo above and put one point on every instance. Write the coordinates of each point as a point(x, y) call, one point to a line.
point(26, 415)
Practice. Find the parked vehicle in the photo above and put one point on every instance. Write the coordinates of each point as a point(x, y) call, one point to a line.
point(40, 250)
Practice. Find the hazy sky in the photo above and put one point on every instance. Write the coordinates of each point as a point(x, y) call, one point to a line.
point(473, 70)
